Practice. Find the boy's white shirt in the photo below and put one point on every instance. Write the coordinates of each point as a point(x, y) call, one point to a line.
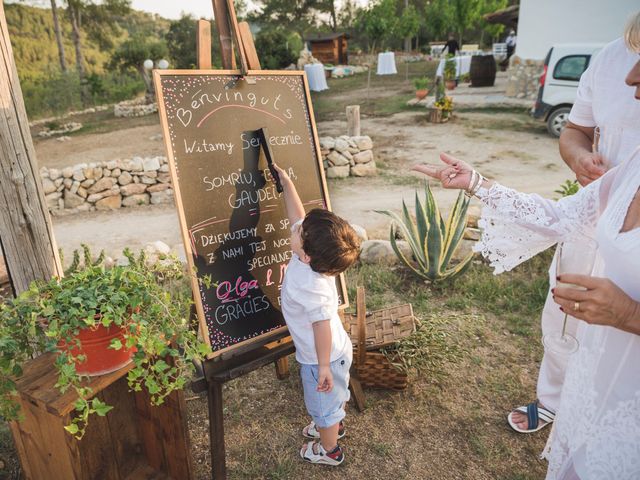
point(309, 297)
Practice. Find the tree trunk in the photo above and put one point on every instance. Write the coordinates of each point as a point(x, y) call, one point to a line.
point(25, 226)
point(407, 40)
point(74, 14)
point(56, 28)
point(334, 18)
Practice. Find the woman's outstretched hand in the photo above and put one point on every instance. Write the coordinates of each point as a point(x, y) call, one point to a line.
point(453, 174)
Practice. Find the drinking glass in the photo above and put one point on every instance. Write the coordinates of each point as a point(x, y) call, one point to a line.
point(577, 257)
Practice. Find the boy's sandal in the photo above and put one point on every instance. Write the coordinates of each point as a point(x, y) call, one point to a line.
point(537, 417)
point(311, 431)
point(313, 452)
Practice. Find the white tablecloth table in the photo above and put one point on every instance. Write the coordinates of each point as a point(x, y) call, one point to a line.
point(315, 77)
point(386, 64)
point(463, 65)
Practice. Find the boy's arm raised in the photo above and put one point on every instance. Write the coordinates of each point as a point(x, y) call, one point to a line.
point(293, 204)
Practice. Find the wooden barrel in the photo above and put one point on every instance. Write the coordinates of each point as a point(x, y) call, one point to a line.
point(482, 71)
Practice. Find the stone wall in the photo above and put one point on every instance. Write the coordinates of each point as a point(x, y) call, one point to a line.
point(137, 107)
point(344, 156)
point(107, 185)
point(523, 78)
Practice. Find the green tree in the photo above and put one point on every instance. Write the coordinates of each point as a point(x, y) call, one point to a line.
point(296, 15)
point(181, 42)
point(379, 23)
point(408, 25)
point(464, 14)
point(132, 53)
point(494, 30)
point(275, 49)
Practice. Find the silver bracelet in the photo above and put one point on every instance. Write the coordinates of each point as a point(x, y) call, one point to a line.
point(481, 180)
point(472, 181)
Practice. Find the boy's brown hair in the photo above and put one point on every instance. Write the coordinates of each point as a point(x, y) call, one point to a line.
point(330, 242)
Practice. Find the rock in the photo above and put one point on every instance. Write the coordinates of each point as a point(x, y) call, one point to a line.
point(364, 169)
point(363, 142)
point(98, 172)
point(164, 168)
point(78, 172)
point(52, 200)
point(341, 145)
point(89, 172)
point(380, 251)
point(150, 163)
point(337, 159)
point(147, 180)
point(133, 164)
point(158, 187)
point(87, 183)
point(338, 172)
point(363, 157)
point(465, 247)
point(135, 200)
point(164, 177)
point(361, 232)
point(327, 143)
point(67, 172)
point(54, 173)
point(44, 172)
point(157, 247)
point(109, 203)
point(71, 200)
point(115, 190)
point(104, 183)
point(353, 150)
point(48, 186)
point(58, 183)
point(67, 182)
point(161, 197)
point(74, 187)
point(472, 234)
point(116, 172)
point(347, 154)
point(107, 173)
point(82, 192)
point(473, 215)
point(125, 178)
point(111, 164)
point(133, 189)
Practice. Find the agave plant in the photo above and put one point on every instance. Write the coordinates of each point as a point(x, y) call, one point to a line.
point(432, 240)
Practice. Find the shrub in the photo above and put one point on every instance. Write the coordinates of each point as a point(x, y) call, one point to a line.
point(274, 50)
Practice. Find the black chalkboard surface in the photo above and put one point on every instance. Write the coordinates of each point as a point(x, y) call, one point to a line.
point(233, 220)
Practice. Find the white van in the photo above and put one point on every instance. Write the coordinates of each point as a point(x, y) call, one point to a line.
point(563, 67)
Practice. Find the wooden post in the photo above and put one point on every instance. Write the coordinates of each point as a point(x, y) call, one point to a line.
point(353, 120)
point(203, 44)
point(224, 34)
point(216, 431)
point(25, 226)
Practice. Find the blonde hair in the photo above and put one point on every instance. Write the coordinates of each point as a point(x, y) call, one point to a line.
point(632, 33)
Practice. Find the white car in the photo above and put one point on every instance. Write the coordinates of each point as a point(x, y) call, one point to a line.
point(563, 67)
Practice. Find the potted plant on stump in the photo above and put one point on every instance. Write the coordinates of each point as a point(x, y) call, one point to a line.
point(96, 320)
point(421, 87)
point(450, 73)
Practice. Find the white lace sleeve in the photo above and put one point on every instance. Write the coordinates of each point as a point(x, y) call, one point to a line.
point(516, 226)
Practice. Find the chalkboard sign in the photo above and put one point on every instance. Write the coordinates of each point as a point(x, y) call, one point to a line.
point(233, 220)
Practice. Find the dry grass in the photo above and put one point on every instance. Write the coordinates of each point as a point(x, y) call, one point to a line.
point(449, 423)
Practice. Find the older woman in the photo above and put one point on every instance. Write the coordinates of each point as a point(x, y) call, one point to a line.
point(597, 429)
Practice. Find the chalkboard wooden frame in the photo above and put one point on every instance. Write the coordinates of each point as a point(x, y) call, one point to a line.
point(280, 332)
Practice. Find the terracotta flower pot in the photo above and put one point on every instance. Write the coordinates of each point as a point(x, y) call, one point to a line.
point(94, 344)
point(420, 94)
point(450, 84)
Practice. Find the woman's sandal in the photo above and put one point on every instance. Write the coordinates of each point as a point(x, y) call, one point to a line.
point(535, 415)
point(313, 452)
point(311, 431)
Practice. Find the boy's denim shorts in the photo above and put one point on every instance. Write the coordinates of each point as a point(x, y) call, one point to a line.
point(327, 408)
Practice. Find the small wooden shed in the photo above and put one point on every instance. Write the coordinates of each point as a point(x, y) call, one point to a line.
point(330, 48)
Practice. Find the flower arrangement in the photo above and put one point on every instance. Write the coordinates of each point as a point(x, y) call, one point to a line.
point(445, 105)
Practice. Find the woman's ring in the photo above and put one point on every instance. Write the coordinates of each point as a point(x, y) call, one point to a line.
point(576, 306)
point(452, 175)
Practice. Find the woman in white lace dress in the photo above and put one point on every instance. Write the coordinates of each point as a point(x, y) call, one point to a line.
point(597, 429)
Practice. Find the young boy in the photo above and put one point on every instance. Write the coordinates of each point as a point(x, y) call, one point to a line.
point(323, 245)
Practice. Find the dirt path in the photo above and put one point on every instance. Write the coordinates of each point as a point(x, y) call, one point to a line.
point(521, 159)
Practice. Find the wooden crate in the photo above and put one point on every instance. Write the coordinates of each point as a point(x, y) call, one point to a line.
point(133, 441)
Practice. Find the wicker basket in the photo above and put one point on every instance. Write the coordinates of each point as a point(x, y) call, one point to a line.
point(383, 327)
point(373, 369)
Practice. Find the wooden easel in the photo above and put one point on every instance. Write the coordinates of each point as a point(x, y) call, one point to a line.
point(244, 359)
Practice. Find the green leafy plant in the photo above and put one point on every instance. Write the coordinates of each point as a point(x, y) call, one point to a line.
point(150, 301)
point(449, 70)
point(421, 83)
point(432, 240)
point(569, 187)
